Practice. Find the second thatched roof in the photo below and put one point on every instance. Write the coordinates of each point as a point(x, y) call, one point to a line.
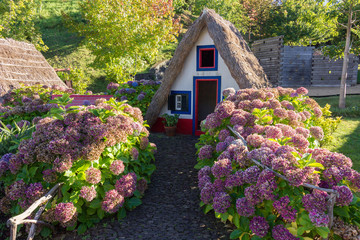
point(242, 63)
point(20, 62)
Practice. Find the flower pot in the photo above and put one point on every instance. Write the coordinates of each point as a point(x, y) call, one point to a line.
point(170, 131)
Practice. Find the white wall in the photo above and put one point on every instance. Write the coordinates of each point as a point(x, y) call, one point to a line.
point(184, 81)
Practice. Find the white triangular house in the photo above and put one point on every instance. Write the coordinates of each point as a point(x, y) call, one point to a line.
point(211, 57)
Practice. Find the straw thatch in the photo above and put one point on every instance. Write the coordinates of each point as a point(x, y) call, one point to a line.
point(242, 63)
point(20, 62)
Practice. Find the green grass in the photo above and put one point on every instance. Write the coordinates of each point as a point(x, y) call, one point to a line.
point(347, 140)
point(65, 47)
point(352, 105)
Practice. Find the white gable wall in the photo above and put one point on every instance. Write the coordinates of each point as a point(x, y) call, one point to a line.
point(184, 81)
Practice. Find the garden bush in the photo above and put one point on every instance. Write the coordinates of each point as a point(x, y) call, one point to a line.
point(283, 130)
point(28, 102)
point(100, 153)
point(137, 93)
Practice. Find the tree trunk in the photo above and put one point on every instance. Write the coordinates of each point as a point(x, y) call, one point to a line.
point(342, 98)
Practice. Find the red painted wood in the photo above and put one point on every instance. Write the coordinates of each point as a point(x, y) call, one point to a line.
point(184, 126)
point(78, 100)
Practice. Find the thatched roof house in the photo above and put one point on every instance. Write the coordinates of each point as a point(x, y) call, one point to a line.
point(20, 62)
point(196, 58)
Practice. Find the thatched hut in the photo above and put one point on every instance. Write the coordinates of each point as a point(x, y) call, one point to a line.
point(20, 62)
point(211, 57)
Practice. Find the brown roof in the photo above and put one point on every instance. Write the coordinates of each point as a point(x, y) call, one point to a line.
point(242, 63)
point(20, 62)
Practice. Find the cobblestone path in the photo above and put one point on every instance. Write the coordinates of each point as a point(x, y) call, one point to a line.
point(170, 209)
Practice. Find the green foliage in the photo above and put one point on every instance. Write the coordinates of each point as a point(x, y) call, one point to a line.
point(170, 120)
point(80, 81)
point(127, 35)
point(302, 22)
point(352, 105)
point(11, 136)
point(17, 21)
point(136, 93)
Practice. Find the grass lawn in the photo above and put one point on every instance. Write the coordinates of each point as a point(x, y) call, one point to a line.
point(347, 136)
point(347, 140)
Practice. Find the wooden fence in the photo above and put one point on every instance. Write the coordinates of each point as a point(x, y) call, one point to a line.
point(292, 66)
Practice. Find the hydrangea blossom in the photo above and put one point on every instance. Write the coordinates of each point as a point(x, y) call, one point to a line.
point(117, 167)
point(88, 193)
point(244, 208)
point(112, 201)
point(64, 212)
point(126, 185)
point(93, 175)
point(206, 152)
point(221, 168)
point(345, 195)
point(221, 202)
point(279, 232)
point(259, 226)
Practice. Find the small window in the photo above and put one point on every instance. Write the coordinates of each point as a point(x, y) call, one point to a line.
point(207, 58)
point(179, 102)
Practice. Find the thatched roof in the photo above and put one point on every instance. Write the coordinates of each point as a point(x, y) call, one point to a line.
point(242, 63)
point(20, 62)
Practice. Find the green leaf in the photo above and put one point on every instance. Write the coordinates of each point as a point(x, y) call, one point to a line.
point(208, 208)
point(267, 119)
point(256, 237)
point(342, 211)
point(96, 203)
point(133, 202)
point(45, 232)
point(236, 220)
point(100, 213)
point(91, 211)
point(32, 171)
point(244, 223)
point(235, 234)
point(82, 228)
point(317, 165)
point(301, 230)
point(121, 213)
point(245, 236)
point(224, 216)
point(322, 231)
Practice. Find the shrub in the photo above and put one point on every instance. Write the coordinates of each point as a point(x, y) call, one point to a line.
point(28, 102)
point(241, 183)
point(137, 93)
point(102, 155)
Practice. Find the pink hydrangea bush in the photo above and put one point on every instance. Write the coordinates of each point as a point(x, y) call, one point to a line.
point(91, 150)
point(283, 130)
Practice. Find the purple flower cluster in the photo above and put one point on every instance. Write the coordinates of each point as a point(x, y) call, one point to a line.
point(34, 192)
point(205, 152)
point(88, 193)
point(345, 195)
point(235, 180)
point(112, 201)
point(259, 226)
point(252, 174)
point(224, 109)
point(279, 232)
point(93, 175)
point(315, 201)
point(16, 190)
point(319, 219)
point(221, 168)
point(244, 208)
point(221, 202)
point(117, 167)
point(126, 185)
point(317, 132)
point(64, 212)
point(284, 209)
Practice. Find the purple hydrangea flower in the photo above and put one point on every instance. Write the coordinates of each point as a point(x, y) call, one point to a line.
point(134, 153)
point(251, 174)
point(224, 109)
point(34, 192)
point(207, 193)
point(302, 91)
point(317, 132)
point(112, 201)
point(126, 185)
point(345, 195)
point(284, 209)
point(259, 226)
point(140, 97)
point(235, 180)
point(319, 219)
point(205, 152)
point(221, 168)
point(223, 134)
point(255, 140)
point(273, 132)
point(88, 193)
point(117, 167)
point(123, 98)
point(228, 92)
point(279, 232)
point(205, 171)
point(93, 175)
point(64, 212)
point(16, 190)
point(244, 208)
point(221, 202)
point(221, 146)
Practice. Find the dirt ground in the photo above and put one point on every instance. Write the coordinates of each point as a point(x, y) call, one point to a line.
point(331, 91)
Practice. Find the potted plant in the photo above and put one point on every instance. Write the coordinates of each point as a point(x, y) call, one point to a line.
point(170, 122)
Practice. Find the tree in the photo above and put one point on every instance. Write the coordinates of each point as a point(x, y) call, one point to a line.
point(346, 11)
point(17, 21)
point(302, 22)
point(126, 36)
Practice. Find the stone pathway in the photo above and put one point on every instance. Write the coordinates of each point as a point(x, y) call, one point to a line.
point(170, 208)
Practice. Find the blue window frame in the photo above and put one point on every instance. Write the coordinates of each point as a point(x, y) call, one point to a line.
point(206, 58)
point(180, 102)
